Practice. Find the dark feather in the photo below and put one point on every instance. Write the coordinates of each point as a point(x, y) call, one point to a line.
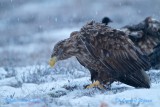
point(155, 57)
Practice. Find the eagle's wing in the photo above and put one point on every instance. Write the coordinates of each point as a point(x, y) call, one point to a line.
point(118, 54)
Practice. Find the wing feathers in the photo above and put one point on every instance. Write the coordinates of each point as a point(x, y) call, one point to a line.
point(117, 53)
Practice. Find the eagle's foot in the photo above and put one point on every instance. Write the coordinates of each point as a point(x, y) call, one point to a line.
point(96, 84)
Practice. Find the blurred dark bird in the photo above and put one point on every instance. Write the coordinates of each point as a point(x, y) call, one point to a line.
point(106, 20)
point(108, 53)
point(146, 36)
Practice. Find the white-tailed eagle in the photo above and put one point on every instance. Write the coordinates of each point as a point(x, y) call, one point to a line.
point(107, 53)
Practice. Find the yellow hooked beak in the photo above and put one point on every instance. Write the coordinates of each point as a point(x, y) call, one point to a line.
point(52, 61)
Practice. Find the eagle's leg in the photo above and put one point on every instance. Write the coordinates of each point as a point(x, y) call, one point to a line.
point(94, 79)
point(94, 75)
point(96, 84)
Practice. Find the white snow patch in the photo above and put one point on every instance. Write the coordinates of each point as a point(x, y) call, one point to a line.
point(66, 89)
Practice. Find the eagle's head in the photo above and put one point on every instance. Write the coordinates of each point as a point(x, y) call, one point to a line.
point(64, 50)
point(153, 27)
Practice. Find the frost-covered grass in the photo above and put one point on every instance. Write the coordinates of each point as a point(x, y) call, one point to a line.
point(42, 86)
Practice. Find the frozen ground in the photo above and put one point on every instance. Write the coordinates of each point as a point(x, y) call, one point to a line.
point(41, 86)
point(28, 31)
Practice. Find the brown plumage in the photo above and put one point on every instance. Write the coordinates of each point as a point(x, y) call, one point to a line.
point(108, 53)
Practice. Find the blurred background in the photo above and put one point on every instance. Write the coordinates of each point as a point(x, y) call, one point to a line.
point(30, 28)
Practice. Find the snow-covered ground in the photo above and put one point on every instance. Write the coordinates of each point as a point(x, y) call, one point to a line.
point(42, 86)
point(28, 31)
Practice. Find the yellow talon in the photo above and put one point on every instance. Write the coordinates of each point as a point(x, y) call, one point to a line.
point(52, 61)
point(96, 84)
